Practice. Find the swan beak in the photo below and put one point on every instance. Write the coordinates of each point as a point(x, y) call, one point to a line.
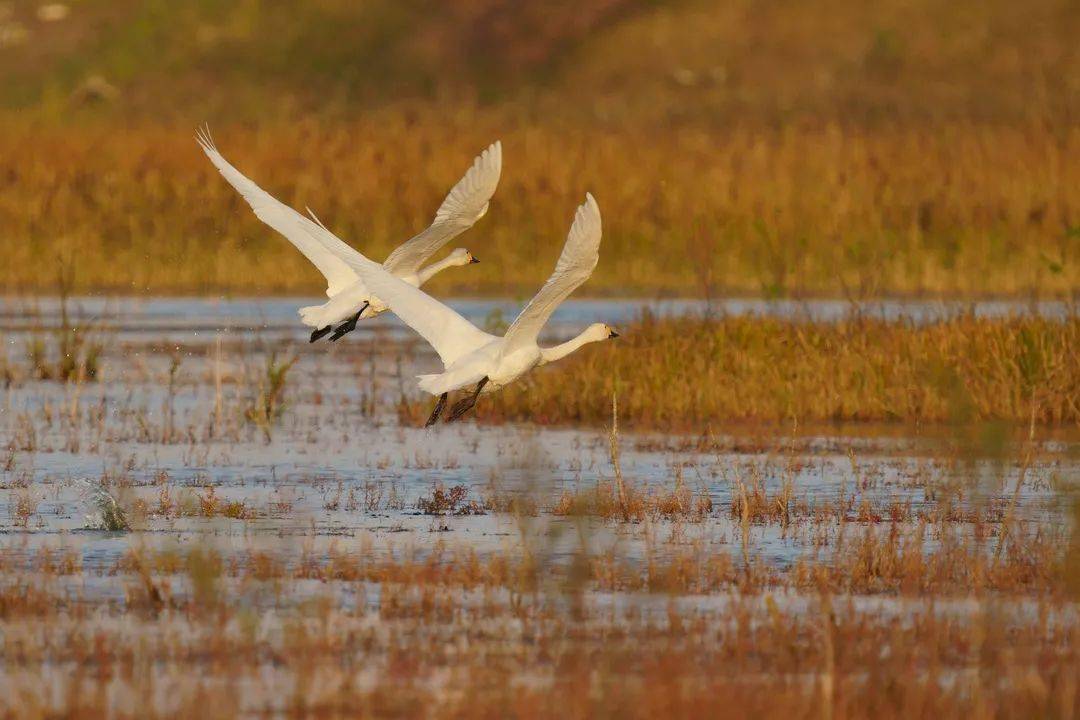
point(613, 334)
point(473, 260)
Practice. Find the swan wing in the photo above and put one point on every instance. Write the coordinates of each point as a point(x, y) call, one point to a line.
point(325, 250)
point(579, 256)
point(451, 335)
point(465, 204)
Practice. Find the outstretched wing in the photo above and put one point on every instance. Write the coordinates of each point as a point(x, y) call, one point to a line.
point(464, 205)
point(575, 265)
point(451, 335)
point(325, 250)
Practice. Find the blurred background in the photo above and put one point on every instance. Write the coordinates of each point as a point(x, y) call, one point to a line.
point(773, 148)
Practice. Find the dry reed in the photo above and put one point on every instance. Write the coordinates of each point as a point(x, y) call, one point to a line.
point(693, 373)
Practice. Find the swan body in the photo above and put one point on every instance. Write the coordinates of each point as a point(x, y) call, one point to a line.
point(349, 297)
point(346, 302)
point(472, 357)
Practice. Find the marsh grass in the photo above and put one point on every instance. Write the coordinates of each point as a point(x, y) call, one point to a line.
point(847, 149)
point(266, 392)
point(699, 373)
point(896, 581)
point(71, 352)
point(449, 501)
point(957, 209)
point(896, 609)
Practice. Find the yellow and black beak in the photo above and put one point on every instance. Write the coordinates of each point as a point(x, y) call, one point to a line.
point(612, 334)
point(473, 259)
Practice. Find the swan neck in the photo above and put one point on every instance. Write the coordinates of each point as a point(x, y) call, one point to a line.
point(436, 267)
point(560, 351)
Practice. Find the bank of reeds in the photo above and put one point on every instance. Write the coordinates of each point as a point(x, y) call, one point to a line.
point(957, 209)
point(694, 373)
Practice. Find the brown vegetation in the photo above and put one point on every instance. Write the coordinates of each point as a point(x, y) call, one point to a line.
point(694, 373)
point(951, 210)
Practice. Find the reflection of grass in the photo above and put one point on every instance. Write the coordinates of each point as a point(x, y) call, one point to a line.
point(691, 373)
point(954, 209)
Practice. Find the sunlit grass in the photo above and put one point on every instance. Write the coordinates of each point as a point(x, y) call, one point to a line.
point(696, 374)
point(954, 209)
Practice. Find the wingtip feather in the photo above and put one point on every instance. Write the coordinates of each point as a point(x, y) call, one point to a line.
point(586, 217)
point(205, 139)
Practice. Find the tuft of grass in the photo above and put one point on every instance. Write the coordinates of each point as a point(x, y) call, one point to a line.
point(74, 353)
point(266, 395)
point(452, 501)
point(23, 507)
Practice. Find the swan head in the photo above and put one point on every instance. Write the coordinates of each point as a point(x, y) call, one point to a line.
point(600, 331)
point(461, 256)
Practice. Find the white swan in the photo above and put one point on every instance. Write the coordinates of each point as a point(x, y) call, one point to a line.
point(350, 299)
point(471, 356)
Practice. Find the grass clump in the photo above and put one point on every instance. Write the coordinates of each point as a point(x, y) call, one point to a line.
point(266, 400)
point(70, 352)
point(452, 501)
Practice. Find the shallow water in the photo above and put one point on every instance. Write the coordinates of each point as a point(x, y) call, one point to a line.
point(191, 319)
point(144, 430)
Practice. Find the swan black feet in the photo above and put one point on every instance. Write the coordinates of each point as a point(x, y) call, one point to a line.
point(349, 325)
point(437, 411)
point(345, 328)
point(320, 332)
point(466, 404)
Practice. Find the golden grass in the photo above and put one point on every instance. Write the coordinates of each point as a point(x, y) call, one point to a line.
point(696, 374)
point(955, 208)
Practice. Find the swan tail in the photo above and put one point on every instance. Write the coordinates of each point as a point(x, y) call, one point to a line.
point(314, 316)
point(432, 384)
point(448, 381)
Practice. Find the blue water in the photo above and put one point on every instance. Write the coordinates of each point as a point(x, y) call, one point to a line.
point(186, 319)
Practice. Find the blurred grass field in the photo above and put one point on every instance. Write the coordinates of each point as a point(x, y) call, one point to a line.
point(771, 148)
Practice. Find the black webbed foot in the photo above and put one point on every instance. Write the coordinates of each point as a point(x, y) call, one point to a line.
point(437, 411)
point(341, 331)
point(466, 404)
point(460, 408)
point(345, 328)
point(349, 325)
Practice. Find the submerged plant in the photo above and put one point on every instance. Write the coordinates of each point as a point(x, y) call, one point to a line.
point(110, 515)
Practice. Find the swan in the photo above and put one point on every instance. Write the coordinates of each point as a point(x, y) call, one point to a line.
point(350, 300)
point(472, 357)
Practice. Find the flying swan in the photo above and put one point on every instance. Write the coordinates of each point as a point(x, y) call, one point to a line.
point(350, 300)
point(471, 356)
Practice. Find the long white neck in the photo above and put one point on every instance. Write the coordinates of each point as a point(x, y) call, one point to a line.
point(560, 351)
point(436, 267)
